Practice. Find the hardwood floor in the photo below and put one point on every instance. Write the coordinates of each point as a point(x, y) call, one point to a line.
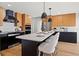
point(63, 49)
point(14, 51)
point(67, 49)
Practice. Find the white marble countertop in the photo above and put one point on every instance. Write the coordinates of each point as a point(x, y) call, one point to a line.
point(41, 36)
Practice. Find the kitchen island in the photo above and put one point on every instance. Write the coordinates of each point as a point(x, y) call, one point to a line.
point(30, 42)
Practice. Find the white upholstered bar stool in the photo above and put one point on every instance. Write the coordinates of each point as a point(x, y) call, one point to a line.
point(49, 46)
point(0, 53)
point(53, 37)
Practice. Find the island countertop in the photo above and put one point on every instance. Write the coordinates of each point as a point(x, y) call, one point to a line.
point(41, 36)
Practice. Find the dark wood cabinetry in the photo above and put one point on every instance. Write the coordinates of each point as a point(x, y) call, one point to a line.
point(68, 37)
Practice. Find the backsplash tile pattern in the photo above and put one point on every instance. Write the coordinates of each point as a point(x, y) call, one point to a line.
point(7, 27)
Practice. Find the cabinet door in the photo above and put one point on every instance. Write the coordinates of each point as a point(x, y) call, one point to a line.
point(27, 20)
point(59, 20)
point(68, 37)
point(54, 21)
point(19, 18)
point(69, 20)
point(23, 22)
point(3, 43)
point(2, 15)
point(73, 19)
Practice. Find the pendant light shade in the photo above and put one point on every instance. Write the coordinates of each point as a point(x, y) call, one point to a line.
point(44, 15)
point(49, 20)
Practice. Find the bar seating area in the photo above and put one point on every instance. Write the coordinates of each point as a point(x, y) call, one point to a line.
point(49, 46)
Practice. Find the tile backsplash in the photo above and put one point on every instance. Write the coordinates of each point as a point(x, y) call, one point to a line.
point(7, 27)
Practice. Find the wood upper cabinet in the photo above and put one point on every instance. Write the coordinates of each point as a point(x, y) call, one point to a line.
point(23, 19)
point(69, 19)
point(54, 21)
point(19, 18)
point(23, 22)
point(2, 15)
point(59, 19)
point(27, 20)
point(64, 20)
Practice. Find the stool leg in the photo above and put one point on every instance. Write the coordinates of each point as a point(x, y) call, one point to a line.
point(56, 51)
point(39, 53)
point(51, 54)
point(43, 54)
point(0, 54)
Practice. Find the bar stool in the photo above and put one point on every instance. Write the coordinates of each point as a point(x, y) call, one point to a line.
point(53, 37)
point(0, 53)
point(49, 46)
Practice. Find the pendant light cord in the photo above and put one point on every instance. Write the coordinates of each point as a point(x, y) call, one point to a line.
point(44, 5)
point(44, 15)
point(50, 11)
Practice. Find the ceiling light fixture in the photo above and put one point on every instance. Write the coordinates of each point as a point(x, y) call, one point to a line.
point(44, 15)
point(50, 19)
point(9, 5)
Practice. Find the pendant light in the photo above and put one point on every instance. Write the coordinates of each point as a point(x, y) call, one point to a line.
point(44, 15)
point(50, 19)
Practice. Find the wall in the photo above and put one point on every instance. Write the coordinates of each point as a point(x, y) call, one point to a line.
point(7, 27)
point(36, 25)
point(72, 29)
point(77, 26)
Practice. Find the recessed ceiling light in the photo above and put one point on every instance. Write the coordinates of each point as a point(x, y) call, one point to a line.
point(9, 5)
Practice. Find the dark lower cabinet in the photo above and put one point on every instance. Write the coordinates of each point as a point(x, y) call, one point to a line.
point(3, 43)
point(27, 32)
point(6, 41)
point(12, 40)
point(70, 37)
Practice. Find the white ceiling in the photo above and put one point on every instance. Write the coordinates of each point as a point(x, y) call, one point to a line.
point(36, 8)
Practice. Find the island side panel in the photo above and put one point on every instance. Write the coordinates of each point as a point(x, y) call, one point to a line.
point(29, 48)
